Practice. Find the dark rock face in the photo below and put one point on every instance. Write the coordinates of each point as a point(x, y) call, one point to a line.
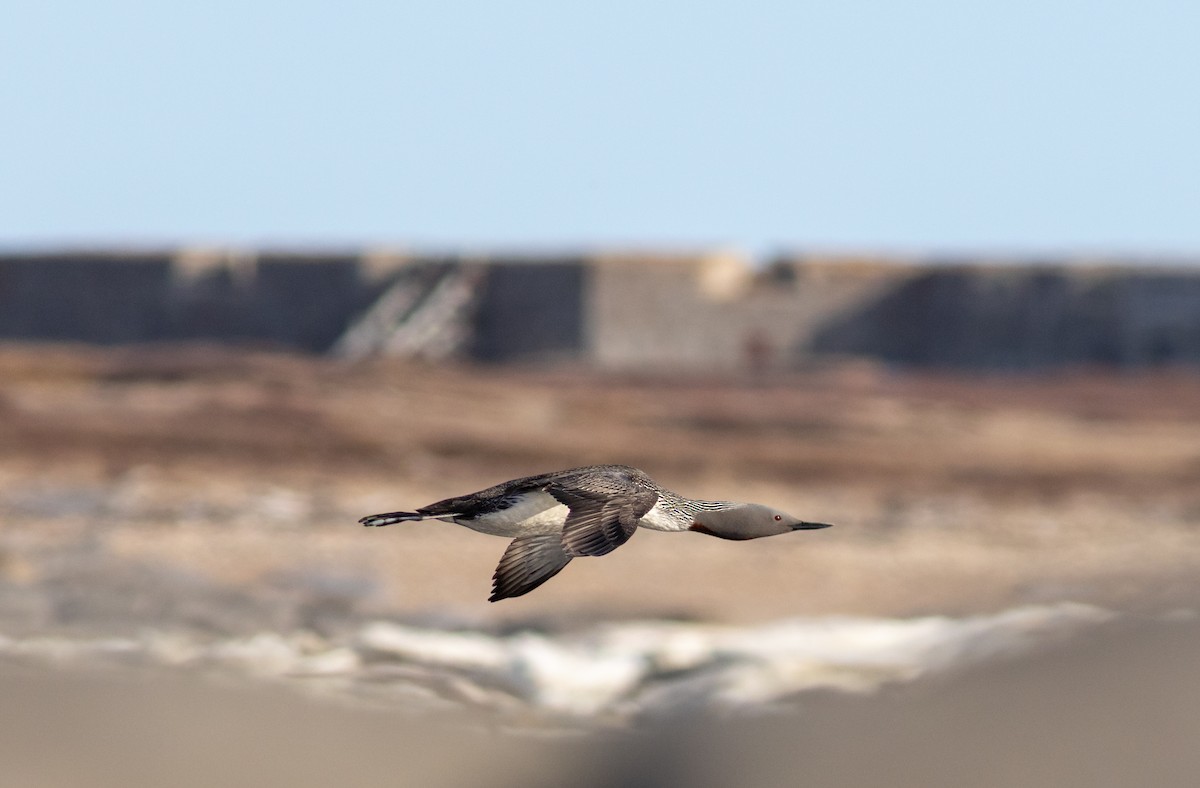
point(1024, 319)
point(524, 310)
point(545, 310)
point(531, 311)
point(297, 301)
point(106, 299)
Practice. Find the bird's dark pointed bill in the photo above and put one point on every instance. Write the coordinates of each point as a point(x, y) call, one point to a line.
point(810, 526)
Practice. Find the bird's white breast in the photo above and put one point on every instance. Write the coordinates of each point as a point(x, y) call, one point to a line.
point(658, 520)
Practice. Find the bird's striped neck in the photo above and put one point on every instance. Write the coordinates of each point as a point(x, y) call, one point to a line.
point(690, 506)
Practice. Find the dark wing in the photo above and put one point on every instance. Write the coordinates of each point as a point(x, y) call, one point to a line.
point(601, 518)
point(493, 499)
point(528, 562)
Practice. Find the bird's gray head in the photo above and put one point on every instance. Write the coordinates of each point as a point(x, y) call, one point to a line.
point(749, 521)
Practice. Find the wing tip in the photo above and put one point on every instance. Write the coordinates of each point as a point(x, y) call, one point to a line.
point(527, 563)
point(506, 592)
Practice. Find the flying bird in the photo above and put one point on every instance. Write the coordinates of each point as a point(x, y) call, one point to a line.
point(554, 517)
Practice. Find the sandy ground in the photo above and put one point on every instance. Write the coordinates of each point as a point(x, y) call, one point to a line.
point(219, 491)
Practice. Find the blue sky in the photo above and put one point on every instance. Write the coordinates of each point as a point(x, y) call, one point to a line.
point(915, 127)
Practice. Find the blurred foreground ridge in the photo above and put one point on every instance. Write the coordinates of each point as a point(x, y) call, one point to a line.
point(633, 311)
point(614, 672)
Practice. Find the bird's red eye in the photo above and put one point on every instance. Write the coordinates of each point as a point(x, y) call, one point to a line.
point(778, 517)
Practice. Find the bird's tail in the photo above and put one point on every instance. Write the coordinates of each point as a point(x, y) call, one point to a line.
point(387, 518)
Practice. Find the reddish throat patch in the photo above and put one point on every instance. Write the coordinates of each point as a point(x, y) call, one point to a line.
point(701, 528)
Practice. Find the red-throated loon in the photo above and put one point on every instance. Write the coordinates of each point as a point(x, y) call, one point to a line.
point(554, 517)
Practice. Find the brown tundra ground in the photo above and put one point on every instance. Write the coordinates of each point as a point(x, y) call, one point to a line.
point(950, 493)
